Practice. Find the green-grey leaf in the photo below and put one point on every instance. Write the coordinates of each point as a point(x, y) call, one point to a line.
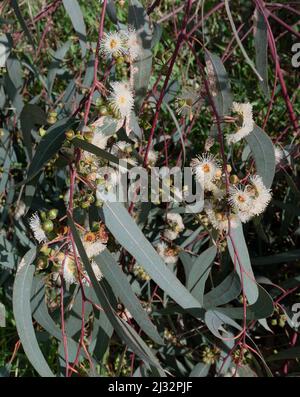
point(73, 9)
point(2, 315)
point(262, 308)
point(263, 152)
point(261, 50)
point(125, 230)
point(31, 116)
point(200, 272)
point(22, 314)
point(223, 98)
point(124, 330)
point(122, 289)
point(49, 146)
point(240, 257)
point(89, 147)
point(225, 292)
point(200, 370)
point(138, 18)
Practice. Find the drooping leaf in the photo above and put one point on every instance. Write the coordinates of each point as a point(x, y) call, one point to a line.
point(122, 289)
point(73, 9)
point(125, 230)
point(22, 21)
point(263, 152)
point(200, 370)
point(39, 308)
point(262, 308)
point(111, 11)
point(22, 314)
point(220, 90)
point(31, 116)
point(283, 257)
point(223, 293)
point(141, 68)
point(55, 64)
point(125, 332)
point(215, 322)
point(261, 50)
point(2, 315)
point(49, 146)
point(5, 47)
point(89, 147)
point(242, 265)
point(200, 272)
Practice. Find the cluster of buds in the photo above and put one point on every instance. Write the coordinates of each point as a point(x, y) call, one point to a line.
point(140, 273)
point(210, 355)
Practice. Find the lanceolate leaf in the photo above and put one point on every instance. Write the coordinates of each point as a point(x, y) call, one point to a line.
point(242, 265)
point(200, 370)
point(262, 308)
point(31, 116)
point(125, 230)
point(49, 146)
point(22, 314)
point(73, 9)
point(125, 332)
point(89, 147)
point(225, 292)
point(263, 152)
point(122, 289)
point(141, 68)
point(261, 50)
point(200, 272)
point(40, 310)
point(215, 322)
point(220, 85)
point(21, 20)
point(55, 64)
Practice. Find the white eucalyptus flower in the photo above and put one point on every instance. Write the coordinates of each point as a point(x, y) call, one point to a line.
point(167, 253)
point(69, 271)
point(107, 178)
point(100, 140)
point(152, 157)
point(244, 110)
point(133, 43)
point(206, 169)
point(20, 210)
point(279, 154)
point(112, 44)
point(219, 219)
point(97, 271)
point(121, 98)
point(36, 227)
point(262, 195)
point(93, 248)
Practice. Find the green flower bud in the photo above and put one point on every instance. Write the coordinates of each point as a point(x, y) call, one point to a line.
point(103, 111)
point(43, 215)
point(48, 226)
point(45, 250)
point(52, 214)
point(85, 204)
point(42, 132)
point(42, 263)
point(70, 134)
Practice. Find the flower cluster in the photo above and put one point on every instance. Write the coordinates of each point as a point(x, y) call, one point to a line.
point(228, 201)
point(124, 42)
